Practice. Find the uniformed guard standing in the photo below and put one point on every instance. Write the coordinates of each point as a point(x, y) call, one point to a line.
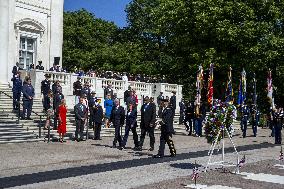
point(173, 101)
point(181, 111)
point(167, 130)
point(28, 96)
point(92, 106)
point(45, 87)
point(57, 97)
point(244, 119)
point(117, 118)
point(17, 89)
point(278, 117)
point(189, 117)
point(77, 88)
point(98, 120)
point(255, 119)
point(81, 114)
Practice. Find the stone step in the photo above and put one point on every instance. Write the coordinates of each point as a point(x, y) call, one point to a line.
point(21, 140)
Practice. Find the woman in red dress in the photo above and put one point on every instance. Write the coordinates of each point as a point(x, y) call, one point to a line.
point(62, 110)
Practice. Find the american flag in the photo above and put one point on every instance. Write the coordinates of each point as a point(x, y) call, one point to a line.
point(194, 174)
point(242, 162)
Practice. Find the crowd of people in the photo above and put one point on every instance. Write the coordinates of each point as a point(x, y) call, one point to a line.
point(89, 113)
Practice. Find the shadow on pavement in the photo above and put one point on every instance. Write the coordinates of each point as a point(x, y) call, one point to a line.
point(99, 168)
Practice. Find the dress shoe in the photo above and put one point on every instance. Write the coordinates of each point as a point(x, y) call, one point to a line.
point(158, 156)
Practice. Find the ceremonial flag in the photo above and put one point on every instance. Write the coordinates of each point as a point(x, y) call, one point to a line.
point(229, 90)
point(210, 86)
point(199, 80)
point(254, 98)
point(270, 88)
point(242, 88)
point(242, 162)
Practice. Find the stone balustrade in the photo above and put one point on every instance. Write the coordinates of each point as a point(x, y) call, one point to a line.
point(98, 84)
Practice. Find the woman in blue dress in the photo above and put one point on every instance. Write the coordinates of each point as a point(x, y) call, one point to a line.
point(108, 104)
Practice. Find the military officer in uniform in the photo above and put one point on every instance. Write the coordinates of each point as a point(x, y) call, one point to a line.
point(255, 120)
point(45, 87)
point(81, 114)
point(57, 97)
point(278, 118)
point(92, 105)
point(117, 118)
point(86, 90)
point(244, 119)
point(77, 89)
point(173, 101)
point(167, 130)
point(28, 96)
point(17, 89)
point(189, 117)
point(181, 111)
point(147, 124)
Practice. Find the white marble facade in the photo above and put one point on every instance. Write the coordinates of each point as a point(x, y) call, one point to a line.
point(30, 31)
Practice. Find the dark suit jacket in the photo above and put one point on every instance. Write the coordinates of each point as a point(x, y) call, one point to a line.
point(98, 114)
point(117, 116)
point(79, 113)
point(56, 100)
point(167, 121)
point(148, 115)
point(131, 118)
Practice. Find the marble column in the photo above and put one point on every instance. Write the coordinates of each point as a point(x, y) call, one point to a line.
point(4, 40)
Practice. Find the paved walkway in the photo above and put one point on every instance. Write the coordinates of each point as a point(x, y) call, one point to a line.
point(94, 164)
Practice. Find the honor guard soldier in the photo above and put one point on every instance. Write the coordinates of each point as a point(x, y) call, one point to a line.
point(39, 66)
point(167, 130)
point(173, 102)
point(181, 111)
point(92, 106)
point(278, 118)
point(147, 124)
point(77, 89)
point(189, 117)
point(45, 87)
point(86, 90)
point(255, 120)
point(81, 114)
point(98, 119)
point(117, 118)
point(17, 89)
point(28, 96)
point(57, 97)
point(244, 119)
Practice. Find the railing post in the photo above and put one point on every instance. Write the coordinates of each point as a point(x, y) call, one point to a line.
point(39, 131)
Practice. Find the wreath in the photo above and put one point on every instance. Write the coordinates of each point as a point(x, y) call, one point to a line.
point(221, 115)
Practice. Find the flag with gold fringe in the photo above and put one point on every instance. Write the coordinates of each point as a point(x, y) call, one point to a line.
point(210, 86)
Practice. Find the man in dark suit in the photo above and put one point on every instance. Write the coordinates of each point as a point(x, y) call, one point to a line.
point(147, 124)
point(92, 105)
point(39, 66)
point(28, 96)
point(81, 114)
point(117, 118)
point(45, 87)
point(167, 130)
point(108, 90)
point(17, 89)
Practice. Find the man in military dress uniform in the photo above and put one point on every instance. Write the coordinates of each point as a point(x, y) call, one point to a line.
point(167, 130)
point(77, 89)
point(278, 120)
point(45, 87)
point(17, 89)
point(173, 101)
point(244, 119)
point(255, 120)
point(81, 114)
point(147, 124)
point(181, 111)
point(86, 90)
point(189, 117)
point(28, 96)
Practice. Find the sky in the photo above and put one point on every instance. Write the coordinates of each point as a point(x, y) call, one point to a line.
point(110, 10)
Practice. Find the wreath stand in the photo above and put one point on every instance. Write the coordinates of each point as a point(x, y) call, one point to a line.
point(222, 163)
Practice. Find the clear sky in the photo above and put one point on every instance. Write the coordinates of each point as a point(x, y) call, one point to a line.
point(110, 10)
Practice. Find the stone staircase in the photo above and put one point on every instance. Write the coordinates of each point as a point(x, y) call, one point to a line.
point(28, 130)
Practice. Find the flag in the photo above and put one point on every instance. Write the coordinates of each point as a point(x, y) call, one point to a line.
point(199, 80)
point(242, 162)
point(254, 97)
point(281, 158)
point(194, 174)
point(229, 90)
point(270, 88)
point(210, 86)
point(242, 88)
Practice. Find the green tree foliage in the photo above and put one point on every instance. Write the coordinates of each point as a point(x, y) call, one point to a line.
point(173, 37)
